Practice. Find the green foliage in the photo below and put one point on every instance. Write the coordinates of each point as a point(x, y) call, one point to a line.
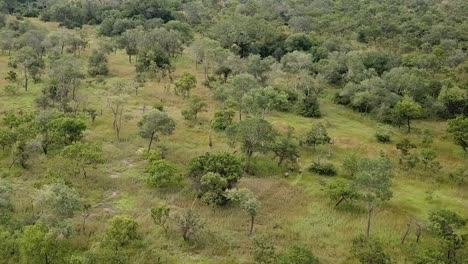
point(374, 179)
point(458, 129)
point(370, 251)
point(248, 202)
point(285, 147)
point(160, 216)
point(254, 135)
point(225, 164)
point(161, 173)
point(196, 106)
point(36, 245)
point(58, 202)
point(384, 135)
point(459, 176)
point(83, 154)
point(428, 159)
point(212, 189)
point(263, 100)
point(122, 231)
point(310, 107)
point(317, 136)
point(263, 251)
point(407, 109)
point(8, 245)
point(155, 123)
point(342, 190)
point(222, 119)
point(323, 168)
point(298, 255)
point(97, 64)
point(6, 206)
point(185, 84)
point(68, 129)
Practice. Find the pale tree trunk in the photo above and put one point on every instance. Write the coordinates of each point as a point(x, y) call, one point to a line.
point(370, 208)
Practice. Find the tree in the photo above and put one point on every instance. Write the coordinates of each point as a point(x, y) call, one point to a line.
point(154, 124)
point(458, 129)
point(117, 104)
point(310, 107)
point(222, 119)
point(129, 41)
point(317, 136)
point(213, 189)
point(160, 216)
point(444, 224)
point(97, 64)
point(36, 245)
point(286, 147)
point(407, 109)
point(83, 154)
point(6, 206)
point(248, 202)
point(259, 68)
point(58, 202)
point(66, 74)
point(239, 86)
point(161, 173)
point(122, 231)
point(263, 251)
point(26, 58)
point(254, 135)
point(342, 190)
point(68, 129)
point(185, 84)
point(262, 100)
point(196, 106)
point(225, 164)
point(369, 251)
point(190, 223)
point(373, 181)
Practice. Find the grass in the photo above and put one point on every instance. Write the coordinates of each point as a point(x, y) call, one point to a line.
point(294, 210)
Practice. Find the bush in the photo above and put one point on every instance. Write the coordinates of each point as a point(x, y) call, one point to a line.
point(327, 169)
point(369, 251)
point(222, 119)
point(298, 255)
point(162, 174)
point(383, 135)
point(310, 107)
point(122, 230)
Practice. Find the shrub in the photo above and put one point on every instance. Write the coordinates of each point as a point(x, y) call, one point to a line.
point(161, 173)
point(298, 255)
point(122, 230)
point(222, 119)
point(327, 169)
point(369, 251)
point(383, 135)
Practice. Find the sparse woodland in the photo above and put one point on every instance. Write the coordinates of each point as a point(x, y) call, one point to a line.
point(233, 131)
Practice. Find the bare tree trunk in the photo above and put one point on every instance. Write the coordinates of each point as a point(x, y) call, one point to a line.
point(340, 201)
point(252, 220)
point(408, 228)
point(25, 71)
point(151, 142)
point(370, 208)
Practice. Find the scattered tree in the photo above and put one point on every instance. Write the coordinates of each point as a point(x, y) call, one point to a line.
point(154, 124)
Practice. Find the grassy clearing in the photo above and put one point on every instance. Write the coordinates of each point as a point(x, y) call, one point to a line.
point(294, 210)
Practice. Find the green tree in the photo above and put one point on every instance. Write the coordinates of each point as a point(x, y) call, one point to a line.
point(254, 135)
point(310, 107)
point(27, 59)
point(222, 119)
point(196, 106)
point(458, 129)
point(247, 201)
point(161, 173)
point(122, 230)
point(262, 100)
point(68, 129)
point(154, 124)
point(37, 246)
point(58, 202)
point(373, 181)
point(160, 216)
point(97, 64)
point(83, 155)
point(185, 84)
point(444, 224)
point(285, 147)
point(212, 189)
point(227, 165)
point(342, 190)
point(370, 251)
point(407, 109)
point(239, 86)
point(317, 136)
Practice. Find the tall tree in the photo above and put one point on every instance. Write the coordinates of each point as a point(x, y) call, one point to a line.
point(407, 109)
point(154, 124)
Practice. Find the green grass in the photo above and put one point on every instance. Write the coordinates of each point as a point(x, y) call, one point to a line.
point(294, 210)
